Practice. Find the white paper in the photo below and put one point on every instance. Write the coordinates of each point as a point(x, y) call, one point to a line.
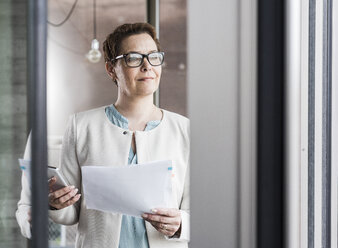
point(25, 166)
point(131, 190)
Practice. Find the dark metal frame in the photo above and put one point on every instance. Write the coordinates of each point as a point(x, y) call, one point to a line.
point(311, 121)
point(37, 43)
point(153, 18)
point(270, 159)
point(327, 120)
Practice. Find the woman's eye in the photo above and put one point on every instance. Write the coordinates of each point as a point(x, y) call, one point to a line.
point(154, 58)
point(131, 59)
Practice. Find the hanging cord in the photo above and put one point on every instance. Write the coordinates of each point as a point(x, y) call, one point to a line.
point(94, 17)
point(67, 17)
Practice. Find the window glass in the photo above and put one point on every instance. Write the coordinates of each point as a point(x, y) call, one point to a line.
point(68, 70)
point(74, 83)
point(13, 116)
point(173, 28)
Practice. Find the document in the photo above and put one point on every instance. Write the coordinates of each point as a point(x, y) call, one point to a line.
point(131, 190)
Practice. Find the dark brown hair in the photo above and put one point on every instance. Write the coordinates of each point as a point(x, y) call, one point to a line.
point(112, 44)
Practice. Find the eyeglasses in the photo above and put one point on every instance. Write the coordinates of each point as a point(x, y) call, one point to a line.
point(134, 59)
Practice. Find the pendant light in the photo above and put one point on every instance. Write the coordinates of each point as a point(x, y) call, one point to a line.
point(94, 54)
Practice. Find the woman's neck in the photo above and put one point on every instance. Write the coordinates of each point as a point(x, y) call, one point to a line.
point(138, 111)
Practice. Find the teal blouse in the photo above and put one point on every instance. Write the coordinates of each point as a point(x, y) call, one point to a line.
point(133, 230)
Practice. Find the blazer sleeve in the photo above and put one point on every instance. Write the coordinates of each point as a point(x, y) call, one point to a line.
point(185, 202)
point(185, 211)
point(24, 207)
point(70, 168)
point(185, 214)
point(24, 204)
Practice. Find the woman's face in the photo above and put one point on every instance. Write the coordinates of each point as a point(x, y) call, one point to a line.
point(140, 81)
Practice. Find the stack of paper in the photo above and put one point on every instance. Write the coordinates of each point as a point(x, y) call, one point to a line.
point(131, 190)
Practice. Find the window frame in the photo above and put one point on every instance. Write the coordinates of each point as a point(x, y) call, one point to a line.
point(309, 135)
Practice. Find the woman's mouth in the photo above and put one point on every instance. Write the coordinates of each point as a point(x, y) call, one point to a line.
point(145, 79)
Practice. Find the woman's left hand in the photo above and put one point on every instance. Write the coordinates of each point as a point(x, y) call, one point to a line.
point(165, 220)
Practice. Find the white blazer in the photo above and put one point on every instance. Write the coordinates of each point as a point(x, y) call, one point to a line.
point(24, 204)
point(90, 139)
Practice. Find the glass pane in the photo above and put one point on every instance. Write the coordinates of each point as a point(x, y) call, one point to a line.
point(68, 70)
point(13, 116)
point(173, 26)
point(74, 83)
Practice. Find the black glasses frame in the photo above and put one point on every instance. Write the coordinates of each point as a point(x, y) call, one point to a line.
point(124, 56)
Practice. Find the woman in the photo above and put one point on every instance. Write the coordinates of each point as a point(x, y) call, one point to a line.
point(133, 130)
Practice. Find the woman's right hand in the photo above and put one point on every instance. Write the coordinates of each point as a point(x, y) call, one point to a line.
point(62, 198)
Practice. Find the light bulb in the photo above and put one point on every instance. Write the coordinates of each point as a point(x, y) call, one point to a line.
point(94, 54)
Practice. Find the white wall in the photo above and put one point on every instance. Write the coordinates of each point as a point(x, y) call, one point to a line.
point(221, 106)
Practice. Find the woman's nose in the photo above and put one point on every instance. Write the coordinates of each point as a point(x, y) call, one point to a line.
point(145, 66)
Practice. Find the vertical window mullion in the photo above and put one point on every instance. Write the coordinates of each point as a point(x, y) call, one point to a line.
point(153, 17)
point(326, 169)
point(318, 132)
point(311, 120)
point(320, 108)
point(37, 50)
point(334, 125)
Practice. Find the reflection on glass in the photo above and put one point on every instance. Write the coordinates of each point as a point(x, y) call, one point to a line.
point(173, 26)
point(69, 72)
point(13, 116)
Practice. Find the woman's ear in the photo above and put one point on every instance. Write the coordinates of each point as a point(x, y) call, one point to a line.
point(110, 71)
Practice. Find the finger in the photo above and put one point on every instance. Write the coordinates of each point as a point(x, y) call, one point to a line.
point(51, 201)
point(72, 201)
point(61, 192)
point(168, 233)
point(162, 219)
point(52, 197)
point(51, 181)
point(67, 197)
point(168, 230)
point(166, 211)
point(166, 227)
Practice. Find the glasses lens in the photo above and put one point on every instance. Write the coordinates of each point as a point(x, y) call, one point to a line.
point(134, 59)
point(155, 58)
